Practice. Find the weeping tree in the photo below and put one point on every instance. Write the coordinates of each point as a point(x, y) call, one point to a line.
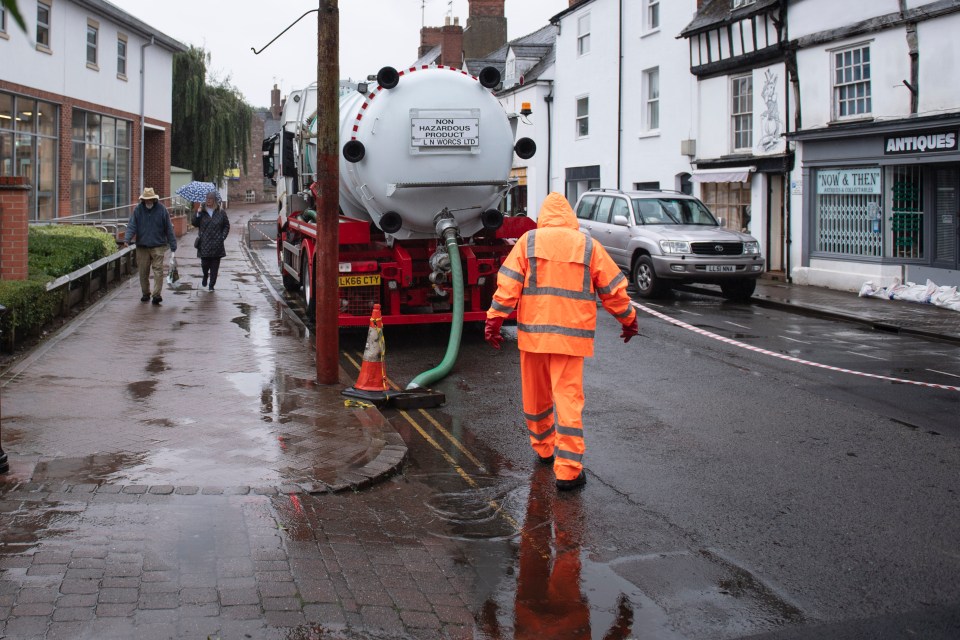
point(211, 122)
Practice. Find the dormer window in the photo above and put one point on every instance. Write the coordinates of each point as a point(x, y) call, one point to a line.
point(742, 3)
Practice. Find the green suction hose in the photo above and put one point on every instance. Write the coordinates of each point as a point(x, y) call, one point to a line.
point(447, 229)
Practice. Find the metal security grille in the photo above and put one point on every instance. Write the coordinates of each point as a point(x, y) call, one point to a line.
point(717, 248)
point(948, 206)
point(359, 301)
point(849, 224)
point(906, 211)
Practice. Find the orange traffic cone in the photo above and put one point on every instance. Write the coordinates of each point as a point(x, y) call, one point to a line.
point(371, 384)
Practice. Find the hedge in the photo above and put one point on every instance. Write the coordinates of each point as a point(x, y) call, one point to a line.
point(52, 251)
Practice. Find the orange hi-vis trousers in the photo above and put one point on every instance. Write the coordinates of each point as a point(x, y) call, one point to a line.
point(554, 382)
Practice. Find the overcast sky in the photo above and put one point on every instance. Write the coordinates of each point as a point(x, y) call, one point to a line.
point(373, 34)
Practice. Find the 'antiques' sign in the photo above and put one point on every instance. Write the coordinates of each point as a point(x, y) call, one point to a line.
point(864, 181)
point(933, 142)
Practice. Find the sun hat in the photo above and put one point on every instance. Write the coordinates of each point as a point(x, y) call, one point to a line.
point(149, 194)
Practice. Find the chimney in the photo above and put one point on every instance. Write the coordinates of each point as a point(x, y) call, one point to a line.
point(451, 55)
point(486, 28)
point(275, 102)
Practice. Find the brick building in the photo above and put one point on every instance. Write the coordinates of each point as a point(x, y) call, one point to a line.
point(84, 95)
point(250, 185)
point(451, 45)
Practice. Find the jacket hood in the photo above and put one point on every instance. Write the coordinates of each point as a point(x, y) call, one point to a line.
point(556, 212)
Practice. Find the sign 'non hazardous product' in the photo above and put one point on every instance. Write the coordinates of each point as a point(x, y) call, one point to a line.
point(445, 132)
point(930, 142)
point(848, 181)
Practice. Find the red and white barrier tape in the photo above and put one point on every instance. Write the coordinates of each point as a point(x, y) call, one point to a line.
point(766, 352)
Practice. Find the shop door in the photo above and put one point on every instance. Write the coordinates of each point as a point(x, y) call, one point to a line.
point(775, 223)
point(946, 213)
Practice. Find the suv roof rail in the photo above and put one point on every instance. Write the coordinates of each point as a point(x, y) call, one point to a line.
point(603, 189)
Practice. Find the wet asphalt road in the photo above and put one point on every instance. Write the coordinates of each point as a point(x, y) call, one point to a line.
point(730, 493)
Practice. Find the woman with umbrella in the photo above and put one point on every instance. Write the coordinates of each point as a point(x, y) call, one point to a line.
point(214, 227)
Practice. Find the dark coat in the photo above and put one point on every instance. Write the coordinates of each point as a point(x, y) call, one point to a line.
point(213, 231)
point(151, 227)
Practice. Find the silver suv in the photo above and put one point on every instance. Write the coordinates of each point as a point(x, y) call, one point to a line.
point(665, 238)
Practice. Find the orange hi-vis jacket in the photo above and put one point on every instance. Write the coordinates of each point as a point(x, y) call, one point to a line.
point(552, 277)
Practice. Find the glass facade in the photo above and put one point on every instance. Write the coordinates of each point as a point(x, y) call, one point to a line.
point(28, 148)
point(100, 171)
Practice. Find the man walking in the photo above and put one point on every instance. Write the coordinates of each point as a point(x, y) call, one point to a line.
point(150, 224)
point(552, 278)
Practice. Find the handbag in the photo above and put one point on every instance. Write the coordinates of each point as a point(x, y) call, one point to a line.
point(196, 243)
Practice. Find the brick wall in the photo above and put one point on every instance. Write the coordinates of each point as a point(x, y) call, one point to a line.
point(13, 228)
point(157, 149)
point(492, 8)
point(252, 178)
point(430, 37)
point(452, 53)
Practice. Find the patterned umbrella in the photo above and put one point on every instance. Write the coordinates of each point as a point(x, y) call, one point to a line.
point(197, 191)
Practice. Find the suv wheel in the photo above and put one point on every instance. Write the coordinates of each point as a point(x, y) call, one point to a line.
point(645, 278)
point(739, 290)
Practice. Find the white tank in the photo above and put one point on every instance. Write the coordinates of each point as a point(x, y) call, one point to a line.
point(438, 139)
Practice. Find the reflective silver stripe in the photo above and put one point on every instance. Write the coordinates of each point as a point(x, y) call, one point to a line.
point(532, 258)
point(554, 291)
point(609, 288)
point(541, 436)
point(540, 416)
point(496, 306)
point(587, 257)
point(576, 432)
point(576, 457)
point(551, 328)
point(625, 314)
point(510, 273)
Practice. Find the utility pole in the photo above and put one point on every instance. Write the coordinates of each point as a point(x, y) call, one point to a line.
point(326, 325)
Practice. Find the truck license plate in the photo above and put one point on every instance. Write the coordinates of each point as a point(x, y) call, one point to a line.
point(723, 268)
point(359, 280)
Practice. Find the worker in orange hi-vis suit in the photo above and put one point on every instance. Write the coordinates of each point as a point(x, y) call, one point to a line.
point(552, 278)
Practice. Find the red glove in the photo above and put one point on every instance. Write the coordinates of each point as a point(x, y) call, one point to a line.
point(491, 332)
point(630, 330)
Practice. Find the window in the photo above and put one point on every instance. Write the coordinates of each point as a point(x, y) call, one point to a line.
point(652, 185)
point(583, 35)
point(100, 173)
point(847, 216)
point(730, 201)
point(585, 208)
point(742, 3)
point(583, 117)
point(851, 82)
point(43, 25)
point(93, 33)
point(28, 148)
point(651, 99)
point(122, 55)
point(3, 21)
point(741, 90)
point(602, 212)
point(652, 17)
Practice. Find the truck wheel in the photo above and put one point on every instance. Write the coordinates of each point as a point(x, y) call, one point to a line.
point(645, 278)
point(306, 278)
point(739, 290)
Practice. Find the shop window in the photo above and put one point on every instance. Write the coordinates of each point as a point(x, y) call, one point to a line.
point(100, 171)
point(28, 148)
point(847, 217)
point(730, 201)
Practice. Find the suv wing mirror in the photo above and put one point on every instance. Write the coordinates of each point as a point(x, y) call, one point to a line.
point(621, 221)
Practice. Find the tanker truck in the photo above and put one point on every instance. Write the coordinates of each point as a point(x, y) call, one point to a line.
point(425, 159)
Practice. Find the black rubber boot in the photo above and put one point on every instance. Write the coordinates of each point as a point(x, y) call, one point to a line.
point(576, 483)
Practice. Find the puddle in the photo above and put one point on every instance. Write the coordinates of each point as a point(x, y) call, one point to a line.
point(249, 384)
point(243, 321)
point(142, 389)
point(95, 469)
point(157, 365)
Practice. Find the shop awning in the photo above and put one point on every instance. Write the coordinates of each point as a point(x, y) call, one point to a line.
point(727, 174)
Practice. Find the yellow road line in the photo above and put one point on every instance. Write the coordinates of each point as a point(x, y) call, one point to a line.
point(497, 507)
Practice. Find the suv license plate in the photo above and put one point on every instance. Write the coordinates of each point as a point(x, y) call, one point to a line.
point(723, 268)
